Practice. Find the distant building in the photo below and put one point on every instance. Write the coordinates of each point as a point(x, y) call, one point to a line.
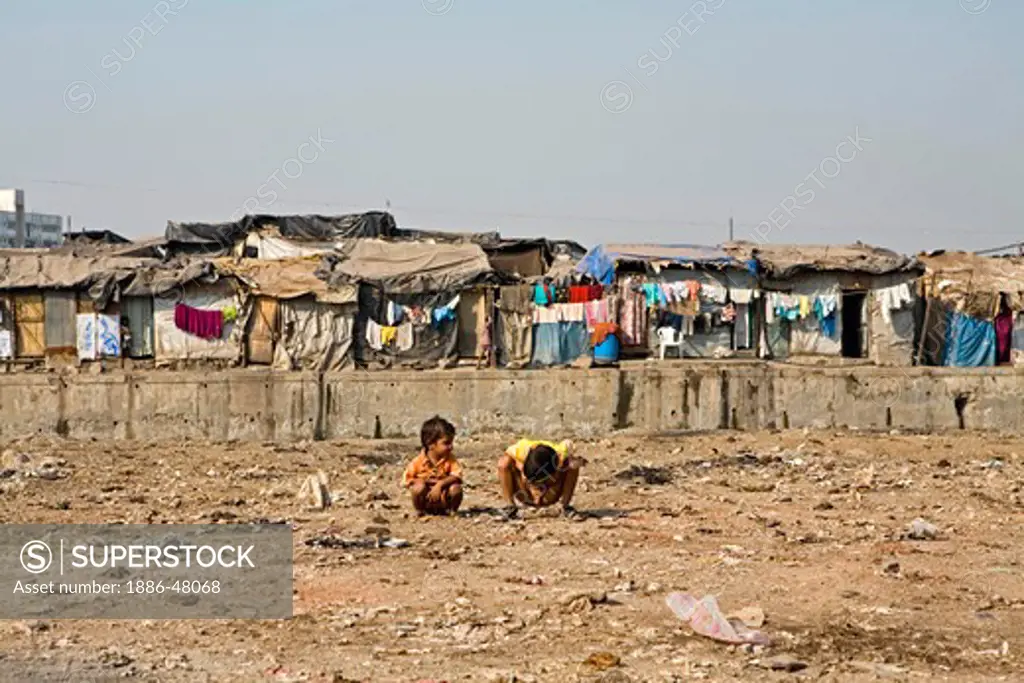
point(36, 229)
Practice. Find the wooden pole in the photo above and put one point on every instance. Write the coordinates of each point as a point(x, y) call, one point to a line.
point(924, 322)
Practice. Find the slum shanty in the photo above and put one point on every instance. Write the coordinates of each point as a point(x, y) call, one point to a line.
point(329, 293)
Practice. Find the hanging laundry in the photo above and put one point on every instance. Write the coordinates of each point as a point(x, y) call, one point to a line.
point(195, 321)
point(1004, 337)
point(545, 314)
point(893, 298)
point(393, 315)
point(405, 338)
point(417, 315)
point(828, 325)
point(741, 331)
point(442, 315)
point(579, 294)
point(667, 292)
point(373, 335)
point(515, 298)
point(693, 287)
point(387, 335)
point(713, 292)
point(230, 314)
point(632, 314)
point(689, 307)
point(787, 307)
point(571, 313)
point(728, 313)
point(596, 292)
point(596, 312)
point(805, 306)
point(969, 342)
point(559, 343)
point(825, 307)
point(6, 347)
point(542, 295)
point(653, 295)
point(445, 313)
point(741, 296)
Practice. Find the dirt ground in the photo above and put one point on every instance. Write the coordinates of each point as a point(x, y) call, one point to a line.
point(808, 526)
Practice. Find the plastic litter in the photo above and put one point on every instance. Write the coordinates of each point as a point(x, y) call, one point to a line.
point(706, 619)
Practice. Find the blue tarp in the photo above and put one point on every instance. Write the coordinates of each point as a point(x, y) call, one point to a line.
point(970, 343)
point(599, 262)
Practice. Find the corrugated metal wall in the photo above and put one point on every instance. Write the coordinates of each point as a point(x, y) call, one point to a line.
point(139, 311)
point(61, 308)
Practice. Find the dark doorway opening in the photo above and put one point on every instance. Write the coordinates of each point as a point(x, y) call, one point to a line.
point(853, 324)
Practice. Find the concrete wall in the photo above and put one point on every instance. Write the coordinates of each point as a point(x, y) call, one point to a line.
point(256, 405)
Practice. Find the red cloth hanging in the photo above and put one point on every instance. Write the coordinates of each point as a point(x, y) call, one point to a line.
point(203, 324)
point(579, 295)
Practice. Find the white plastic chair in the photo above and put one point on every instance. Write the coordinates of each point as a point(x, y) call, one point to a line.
point(667, 337)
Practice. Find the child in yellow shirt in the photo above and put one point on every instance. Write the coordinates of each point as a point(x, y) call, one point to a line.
point(434, 477)
point(538, 474)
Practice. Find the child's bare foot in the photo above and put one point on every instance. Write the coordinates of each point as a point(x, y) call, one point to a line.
point(509, 513)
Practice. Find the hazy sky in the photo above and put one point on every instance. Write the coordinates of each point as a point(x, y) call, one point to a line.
point(482, 114)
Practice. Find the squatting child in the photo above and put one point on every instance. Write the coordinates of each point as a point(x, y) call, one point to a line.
point(434, 477)
point(538, 474)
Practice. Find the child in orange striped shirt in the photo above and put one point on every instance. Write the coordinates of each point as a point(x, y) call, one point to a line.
point(434, 477)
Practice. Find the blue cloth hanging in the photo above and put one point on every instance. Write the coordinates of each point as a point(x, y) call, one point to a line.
point(970, 343)
point(559, 343)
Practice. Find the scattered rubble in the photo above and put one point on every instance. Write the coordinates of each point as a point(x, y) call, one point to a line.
point(920, 530)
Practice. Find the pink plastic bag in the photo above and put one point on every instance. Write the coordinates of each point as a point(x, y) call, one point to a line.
point(706, 619)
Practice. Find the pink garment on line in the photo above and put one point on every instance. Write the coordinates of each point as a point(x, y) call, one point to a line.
point(596, 312)
point(203, 324)
point(633, 314)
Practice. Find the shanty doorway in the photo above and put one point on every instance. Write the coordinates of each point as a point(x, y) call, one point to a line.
point(853, 323)
point(263, 331)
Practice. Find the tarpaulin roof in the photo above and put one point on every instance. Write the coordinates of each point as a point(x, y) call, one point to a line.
point(43, 270)
point(312, 227)
point(101, 276)
point(158, 278)
point(600, 261)
point(415, 235)
point(974, 282)
point(286, 279)
point(784, 260)
point(145, 248)
point(102, 236)
point(407, 267)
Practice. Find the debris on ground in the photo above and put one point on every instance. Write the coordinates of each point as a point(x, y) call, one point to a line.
point(602, 661)
point(706, 619)
point(783, 663)
point(752, 617)
point(856, 599)
point(921, 530)
point(369, 543)
point(315, 490)
point(650, 475)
